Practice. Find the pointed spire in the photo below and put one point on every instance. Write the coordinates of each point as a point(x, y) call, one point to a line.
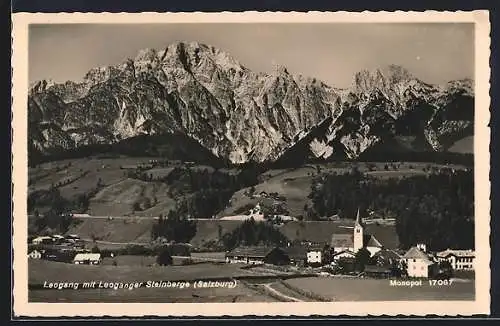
point(358, 218)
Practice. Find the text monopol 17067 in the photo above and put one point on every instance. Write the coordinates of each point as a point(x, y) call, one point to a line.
point(415, 283)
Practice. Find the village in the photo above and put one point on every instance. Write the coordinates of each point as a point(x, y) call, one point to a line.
point(352, 251)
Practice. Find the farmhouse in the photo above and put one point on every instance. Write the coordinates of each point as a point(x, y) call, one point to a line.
point(387, 257)
point(35, 254)
point(258, 255)
point(345, 254)
point(377, 271)
point(314, 256)
point(87, 258)
point(419, 264)
point(355, 240)
point(459, 259)
point(255, 213)
point(297, 254)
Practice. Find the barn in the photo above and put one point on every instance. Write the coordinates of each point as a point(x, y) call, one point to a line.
point(258, 255)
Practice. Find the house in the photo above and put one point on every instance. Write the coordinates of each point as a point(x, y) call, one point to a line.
point(386, 257)
point(315, 256)
point(87, 258)
point(42, 240)
point(377, 271)
point(458, 259)
point(258, 255)
point(35, 254)
point(345, 254)
point(418, 263)
point(297, 254)
point(256, 213)
point(355, 239)
point(58, 239)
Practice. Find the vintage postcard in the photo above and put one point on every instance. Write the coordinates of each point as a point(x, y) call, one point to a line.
point(251, 164)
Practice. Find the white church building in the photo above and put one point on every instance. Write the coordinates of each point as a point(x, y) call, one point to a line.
point(347, 244)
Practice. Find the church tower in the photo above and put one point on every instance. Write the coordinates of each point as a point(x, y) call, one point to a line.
point(358, 233)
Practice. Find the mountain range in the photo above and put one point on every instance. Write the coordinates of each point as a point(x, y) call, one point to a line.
point(201, 95)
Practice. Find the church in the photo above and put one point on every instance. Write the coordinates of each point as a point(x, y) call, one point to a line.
point(347, 244)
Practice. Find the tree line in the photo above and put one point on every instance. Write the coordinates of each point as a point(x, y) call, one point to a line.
point(437, 208)
point(252, 233)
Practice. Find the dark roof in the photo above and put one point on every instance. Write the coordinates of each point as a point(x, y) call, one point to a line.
point(345, 240)
point(386, 235)
point(376, 269)
point(387, 254)
point(370, 241)
point(296, 252)
point(253, 251)
point(315, 248)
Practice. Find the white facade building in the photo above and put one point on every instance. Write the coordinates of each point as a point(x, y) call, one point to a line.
point(458, 259)
point(419, 264)
point(344, 254)
point(35, 254)
point(314, 256)
point(87, 258)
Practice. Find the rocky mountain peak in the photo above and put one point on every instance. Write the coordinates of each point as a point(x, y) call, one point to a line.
point(41, 85)
point(382, 78)
point(206, 95)
point(465, 86)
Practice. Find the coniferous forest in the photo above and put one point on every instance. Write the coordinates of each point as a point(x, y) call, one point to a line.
point(437, 209)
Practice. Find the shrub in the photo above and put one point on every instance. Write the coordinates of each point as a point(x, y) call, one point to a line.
point(164, 258)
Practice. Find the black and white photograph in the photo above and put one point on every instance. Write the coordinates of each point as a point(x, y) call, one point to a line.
point(268, 162)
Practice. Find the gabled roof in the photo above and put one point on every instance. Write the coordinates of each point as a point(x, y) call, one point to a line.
point(342, 240)
point(387, 254)
point(370, 241)
point(456, 253)
point(345, 252)
point(415, 253)
point(253, 251)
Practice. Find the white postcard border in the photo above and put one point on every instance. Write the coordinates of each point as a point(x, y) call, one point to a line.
point(481, 305)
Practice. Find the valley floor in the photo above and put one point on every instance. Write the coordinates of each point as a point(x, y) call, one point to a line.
point(250, 285)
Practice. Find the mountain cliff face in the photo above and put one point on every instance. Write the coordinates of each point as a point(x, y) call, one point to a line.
point(205, 94)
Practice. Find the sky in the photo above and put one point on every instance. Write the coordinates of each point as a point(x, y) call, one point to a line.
point(332, 52)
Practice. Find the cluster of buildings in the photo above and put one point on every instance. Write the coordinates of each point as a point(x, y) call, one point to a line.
point(257, 214)
point(69, 248)
point(416, 262)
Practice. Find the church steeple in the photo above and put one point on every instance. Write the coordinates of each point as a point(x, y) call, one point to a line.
point(358, 233)
point(359, 221)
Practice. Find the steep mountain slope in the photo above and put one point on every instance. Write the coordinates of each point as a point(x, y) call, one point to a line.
point(203, 93)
